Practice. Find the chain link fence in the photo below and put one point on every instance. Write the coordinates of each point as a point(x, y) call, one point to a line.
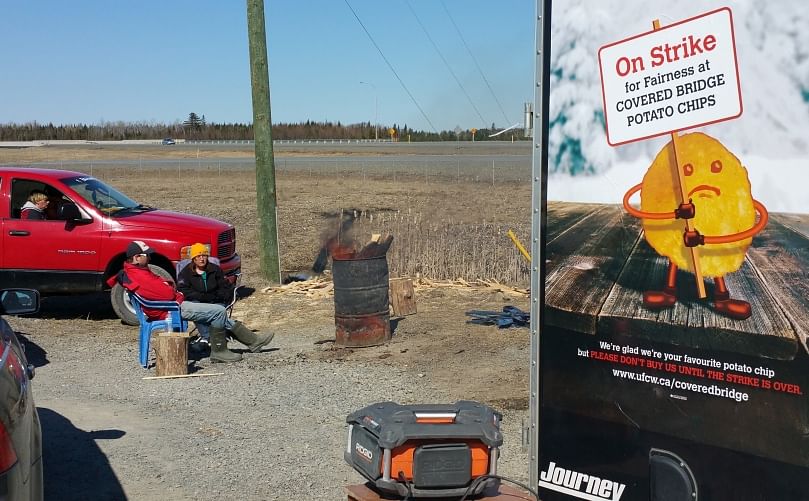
point(429, 168)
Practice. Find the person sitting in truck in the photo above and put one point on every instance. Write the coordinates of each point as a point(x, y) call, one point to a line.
point(34, 207)
point(138, 278)
point(55, 200)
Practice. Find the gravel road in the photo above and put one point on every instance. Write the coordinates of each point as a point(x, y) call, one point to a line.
point(271, 427)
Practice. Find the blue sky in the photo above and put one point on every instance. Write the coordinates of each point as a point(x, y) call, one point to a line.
point(90, 61)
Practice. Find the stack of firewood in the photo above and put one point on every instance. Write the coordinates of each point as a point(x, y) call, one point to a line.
point(315, 287)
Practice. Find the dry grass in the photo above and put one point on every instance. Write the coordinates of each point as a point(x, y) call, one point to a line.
point(443, 248)
point(444, 229)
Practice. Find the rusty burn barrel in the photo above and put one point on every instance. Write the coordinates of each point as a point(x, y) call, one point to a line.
point(361, 312)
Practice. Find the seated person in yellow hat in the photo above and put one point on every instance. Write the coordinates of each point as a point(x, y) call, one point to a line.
point(203, 281)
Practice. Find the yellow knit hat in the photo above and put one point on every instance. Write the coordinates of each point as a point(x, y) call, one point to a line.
point(199, 250)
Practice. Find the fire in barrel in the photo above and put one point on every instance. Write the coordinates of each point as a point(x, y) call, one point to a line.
point(360, 277)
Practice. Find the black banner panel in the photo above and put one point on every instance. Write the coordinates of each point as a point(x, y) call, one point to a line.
point(673, 339)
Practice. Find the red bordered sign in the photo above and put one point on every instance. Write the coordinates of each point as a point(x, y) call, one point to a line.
point(680, 76)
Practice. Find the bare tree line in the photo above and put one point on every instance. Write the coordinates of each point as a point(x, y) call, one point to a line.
point(196, 127)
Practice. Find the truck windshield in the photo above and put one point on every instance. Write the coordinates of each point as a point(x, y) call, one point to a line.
point(105, 198)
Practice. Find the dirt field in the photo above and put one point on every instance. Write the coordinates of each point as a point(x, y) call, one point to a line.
point(435, 349)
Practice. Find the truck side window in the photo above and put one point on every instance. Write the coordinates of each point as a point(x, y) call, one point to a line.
point(22, 189)
point(56, 199)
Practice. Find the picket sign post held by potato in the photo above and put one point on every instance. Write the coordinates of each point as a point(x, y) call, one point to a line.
point(689, 223)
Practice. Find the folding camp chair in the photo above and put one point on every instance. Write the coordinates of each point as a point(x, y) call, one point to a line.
point(172, 323)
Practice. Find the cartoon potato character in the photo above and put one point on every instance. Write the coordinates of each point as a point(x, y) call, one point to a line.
point(721, 206)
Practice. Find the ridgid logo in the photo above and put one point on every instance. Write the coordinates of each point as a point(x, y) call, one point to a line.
point(364, 452)
point(580, 485)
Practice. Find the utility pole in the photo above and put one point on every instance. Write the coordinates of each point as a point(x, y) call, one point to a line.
point(262, 131)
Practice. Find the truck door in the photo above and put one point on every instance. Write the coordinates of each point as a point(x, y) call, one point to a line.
point(4, 214)
point(49, 254)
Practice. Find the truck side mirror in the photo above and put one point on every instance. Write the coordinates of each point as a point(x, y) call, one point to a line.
point(19, 301)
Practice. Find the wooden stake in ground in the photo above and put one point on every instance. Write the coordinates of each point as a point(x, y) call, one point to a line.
point(402, 296)
point(171, 349)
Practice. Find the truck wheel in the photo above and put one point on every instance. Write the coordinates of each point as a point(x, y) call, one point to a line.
point(120, 300)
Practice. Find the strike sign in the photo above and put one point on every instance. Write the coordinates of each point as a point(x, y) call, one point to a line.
point(680, 76)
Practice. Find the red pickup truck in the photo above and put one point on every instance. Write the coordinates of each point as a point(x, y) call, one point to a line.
point(83, 239)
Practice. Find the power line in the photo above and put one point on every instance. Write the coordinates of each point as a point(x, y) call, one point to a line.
point(446, 63)
point(476, 62)
point(391, 67)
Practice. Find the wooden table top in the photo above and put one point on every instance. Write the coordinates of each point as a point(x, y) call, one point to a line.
point(599, 265)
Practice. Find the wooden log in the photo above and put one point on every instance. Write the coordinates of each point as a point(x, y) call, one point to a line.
point(377, 246)
point(402, 296)
point(384, 245)
point(370, 250)
point(171, 349)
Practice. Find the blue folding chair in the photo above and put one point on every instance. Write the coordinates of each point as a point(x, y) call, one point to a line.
point(172, 323)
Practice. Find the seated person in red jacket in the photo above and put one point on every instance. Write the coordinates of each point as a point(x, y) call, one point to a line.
point(137, 277)
point(34, 207)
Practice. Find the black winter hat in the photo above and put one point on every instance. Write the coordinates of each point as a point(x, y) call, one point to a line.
point(138, 247)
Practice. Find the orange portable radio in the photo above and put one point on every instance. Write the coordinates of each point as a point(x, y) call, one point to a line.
point(430, 450)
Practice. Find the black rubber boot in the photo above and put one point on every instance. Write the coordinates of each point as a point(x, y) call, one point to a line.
point(253, 341)
point(219, 347)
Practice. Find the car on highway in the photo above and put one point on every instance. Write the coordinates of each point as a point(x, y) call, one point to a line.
point(20, 432)
point(168, 141)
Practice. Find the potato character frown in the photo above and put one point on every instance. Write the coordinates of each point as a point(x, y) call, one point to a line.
point(721, 206)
